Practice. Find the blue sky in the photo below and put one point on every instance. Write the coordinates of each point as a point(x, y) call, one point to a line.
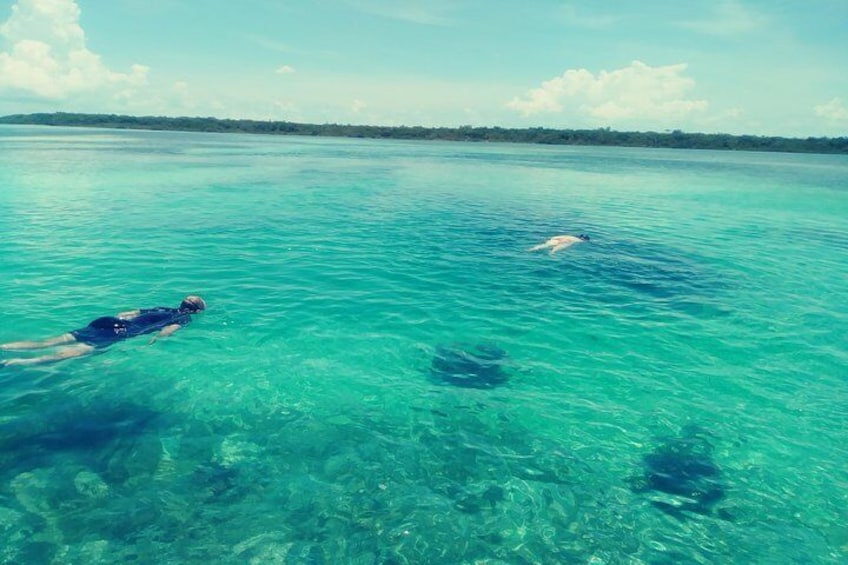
point(763, 67)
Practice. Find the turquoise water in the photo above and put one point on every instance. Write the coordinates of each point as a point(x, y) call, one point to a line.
point(675, 389)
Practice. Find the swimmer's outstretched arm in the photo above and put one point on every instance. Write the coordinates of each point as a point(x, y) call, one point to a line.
point(128, 315)
point(26, 345)
point(165, 332)
point(77, 350)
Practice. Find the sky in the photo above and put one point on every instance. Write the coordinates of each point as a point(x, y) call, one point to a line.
point(759, 67)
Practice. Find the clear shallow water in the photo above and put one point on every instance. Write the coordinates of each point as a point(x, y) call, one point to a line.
point(298, 420)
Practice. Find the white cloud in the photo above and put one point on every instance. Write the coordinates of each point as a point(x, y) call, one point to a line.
point(286, 106)
point(270, 44)
point(48, 57)
point(284, 70)
point(182, 95)
point(728, 18)
point(637, 92)
point(357, 106)
point(578, 17)
point(433, 12)
point(834, 110)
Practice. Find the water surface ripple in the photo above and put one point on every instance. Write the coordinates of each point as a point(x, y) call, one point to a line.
point(673, 391)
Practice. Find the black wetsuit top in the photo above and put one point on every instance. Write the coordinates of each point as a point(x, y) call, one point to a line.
point(109, 329)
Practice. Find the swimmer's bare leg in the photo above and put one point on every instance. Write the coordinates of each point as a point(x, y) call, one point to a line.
point(540, 246)
point(43, 344)
point(77, 350)
point(560, 247)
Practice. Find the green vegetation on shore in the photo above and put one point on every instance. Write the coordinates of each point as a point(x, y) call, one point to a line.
point(675, 139)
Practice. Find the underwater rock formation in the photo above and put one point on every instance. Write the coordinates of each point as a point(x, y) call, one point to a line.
point(683, 468)
point(73, 426)
point(90, 484)
point(91, 433)
point(469, 366)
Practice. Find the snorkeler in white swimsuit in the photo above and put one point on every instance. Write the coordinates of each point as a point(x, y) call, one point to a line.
point(560, 242)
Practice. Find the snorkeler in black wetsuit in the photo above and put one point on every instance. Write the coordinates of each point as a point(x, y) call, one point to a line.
point(107, 330)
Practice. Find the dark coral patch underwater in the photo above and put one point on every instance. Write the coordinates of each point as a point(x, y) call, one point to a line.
point(469, 366)
point(683, 471)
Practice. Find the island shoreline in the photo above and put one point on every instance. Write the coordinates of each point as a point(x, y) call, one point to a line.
point(544, 136)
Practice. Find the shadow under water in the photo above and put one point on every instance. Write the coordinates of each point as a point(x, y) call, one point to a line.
point(469, 366)
point(623, 274)
point(72, 427)
point(683, 468)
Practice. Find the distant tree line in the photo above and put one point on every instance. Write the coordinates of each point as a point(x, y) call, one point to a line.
point(604, 136)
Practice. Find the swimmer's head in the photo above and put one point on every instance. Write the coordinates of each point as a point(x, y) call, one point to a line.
point(192, 304)
point(583, 236)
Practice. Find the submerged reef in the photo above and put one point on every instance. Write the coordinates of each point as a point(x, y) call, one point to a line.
point(70, 428)
point(683, 471)
point(469, 366)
